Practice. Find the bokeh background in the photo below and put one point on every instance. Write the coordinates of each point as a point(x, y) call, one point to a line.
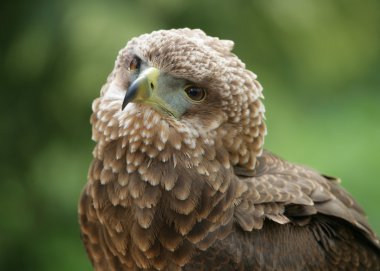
point(319, 62)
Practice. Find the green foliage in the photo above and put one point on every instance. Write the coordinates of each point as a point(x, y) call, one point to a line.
point(318, 62)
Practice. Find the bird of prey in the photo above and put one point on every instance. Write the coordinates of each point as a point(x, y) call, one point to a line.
point(180, 179)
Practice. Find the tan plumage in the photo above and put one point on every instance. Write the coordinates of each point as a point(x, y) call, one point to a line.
point(179, 185)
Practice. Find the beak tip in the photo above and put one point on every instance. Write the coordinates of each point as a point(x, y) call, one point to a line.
point(123, 105)
point(128, 97)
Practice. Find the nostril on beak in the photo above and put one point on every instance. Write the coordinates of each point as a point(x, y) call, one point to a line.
point(151, 85)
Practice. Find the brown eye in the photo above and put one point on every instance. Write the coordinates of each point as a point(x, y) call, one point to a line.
point(134, 64)
point(195, 93)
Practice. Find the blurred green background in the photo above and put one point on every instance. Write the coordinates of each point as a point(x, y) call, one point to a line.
point(319, 62)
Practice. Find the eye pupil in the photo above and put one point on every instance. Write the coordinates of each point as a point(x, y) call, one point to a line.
point(195, 93)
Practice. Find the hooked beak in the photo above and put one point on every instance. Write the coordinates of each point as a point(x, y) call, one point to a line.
point(142, 88)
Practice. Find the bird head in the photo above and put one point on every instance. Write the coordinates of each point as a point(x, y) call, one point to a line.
point(184, 90)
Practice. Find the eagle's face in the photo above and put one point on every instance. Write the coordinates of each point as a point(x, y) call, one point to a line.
point(184, 82)
point(180, 85)
point(166, 93)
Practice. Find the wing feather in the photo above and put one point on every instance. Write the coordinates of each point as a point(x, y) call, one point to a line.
point(293, 191)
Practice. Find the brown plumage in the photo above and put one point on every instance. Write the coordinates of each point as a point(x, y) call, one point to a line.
point(180, 181)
